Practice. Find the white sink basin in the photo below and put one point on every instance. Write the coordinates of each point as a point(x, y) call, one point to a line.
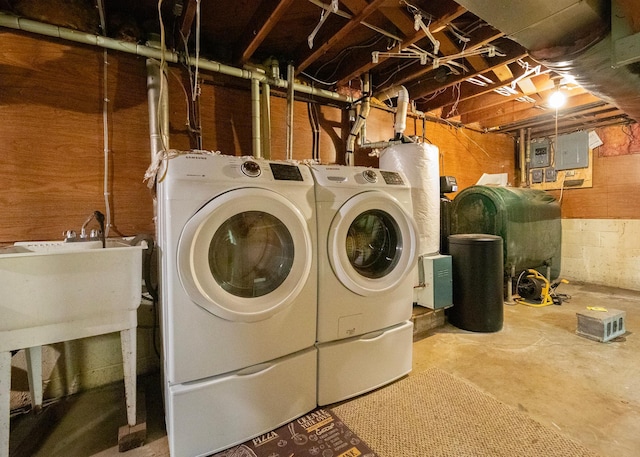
point(53, 291)
point(57, 291)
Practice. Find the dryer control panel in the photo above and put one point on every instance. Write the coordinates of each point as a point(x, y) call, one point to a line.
point(392, 177)
point(285, 172)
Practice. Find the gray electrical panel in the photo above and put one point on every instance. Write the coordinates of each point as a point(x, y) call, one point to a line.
point(540, 153)
point(572, 151)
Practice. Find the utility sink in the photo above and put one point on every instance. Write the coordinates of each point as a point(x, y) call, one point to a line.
point(49, 288)
point(59, 291)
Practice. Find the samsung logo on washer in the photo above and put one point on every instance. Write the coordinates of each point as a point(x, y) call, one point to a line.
point(196, 157)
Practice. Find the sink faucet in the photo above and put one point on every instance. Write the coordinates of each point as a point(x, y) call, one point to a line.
point(70, 235)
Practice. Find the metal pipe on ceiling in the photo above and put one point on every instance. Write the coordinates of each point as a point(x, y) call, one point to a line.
point(28, 25)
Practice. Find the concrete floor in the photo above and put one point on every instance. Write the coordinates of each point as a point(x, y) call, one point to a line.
point(588, 390)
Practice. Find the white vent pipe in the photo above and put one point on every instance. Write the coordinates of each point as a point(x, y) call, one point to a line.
point(357, 127)
point(402, 106)
point(255, 118)
point(28, 25)
point(158, 108)
point(290, 100)
point(265, 120)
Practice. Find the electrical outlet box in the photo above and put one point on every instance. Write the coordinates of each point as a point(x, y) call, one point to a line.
point(550, 175)
point(537, 176)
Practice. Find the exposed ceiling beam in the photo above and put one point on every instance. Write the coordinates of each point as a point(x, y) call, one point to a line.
point(487, 99)
point(603, 120)
point(512, 113)
point(416, 71)
point(469, 91)
point(597, 116)
point(430, 85)
point(263, 21)
point(503, 73)
point(336, 38)
point(185, 21)
point(399, 19)
point(362, 65)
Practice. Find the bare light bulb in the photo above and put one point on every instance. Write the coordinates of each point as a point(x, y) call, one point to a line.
point(557, 99)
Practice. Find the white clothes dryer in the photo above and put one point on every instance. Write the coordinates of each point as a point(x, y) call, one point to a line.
point(237, 239)
point(367, 256)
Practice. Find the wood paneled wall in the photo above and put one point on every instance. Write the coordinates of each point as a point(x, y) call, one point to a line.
point(615, 192)
point(51, 139)
point(52, 151)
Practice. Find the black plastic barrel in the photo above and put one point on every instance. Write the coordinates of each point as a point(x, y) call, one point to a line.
point(477, 267)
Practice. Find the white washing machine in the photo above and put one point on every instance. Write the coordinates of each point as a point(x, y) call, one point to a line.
point(237, 242)
point(367, 256)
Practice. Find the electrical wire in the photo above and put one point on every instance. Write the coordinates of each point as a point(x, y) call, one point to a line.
point(461, 130)
point(196, 87)
point(397, 70)
point(105, 124)
point(163, 66)
point(313, 78)
point(457, 88)
point(340, 56)
point(105, 140)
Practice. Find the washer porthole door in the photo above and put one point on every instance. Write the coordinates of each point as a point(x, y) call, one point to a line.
point(245, 255)
point(372, 243)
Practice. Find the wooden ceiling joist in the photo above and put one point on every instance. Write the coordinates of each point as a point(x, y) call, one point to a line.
point(355, 21)
point(262, 22)
point(364, 65)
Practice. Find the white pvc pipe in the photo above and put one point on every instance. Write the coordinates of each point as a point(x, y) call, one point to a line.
point(158, 108)
point(403, 104)
point(290, 101)
point(265, 120)
point(255, 118)
point(357, 126)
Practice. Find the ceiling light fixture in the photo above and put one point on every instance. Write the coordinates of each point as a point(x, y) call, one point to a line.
point(557, 99)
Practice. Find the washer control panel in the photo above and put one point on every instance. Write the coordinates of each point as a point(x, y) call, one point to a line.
point(392, 177)
point(251, 168)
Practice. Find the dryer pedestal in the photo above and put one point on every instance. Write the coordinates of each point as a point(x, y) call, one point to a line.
point(353, 366)
point(214, 414)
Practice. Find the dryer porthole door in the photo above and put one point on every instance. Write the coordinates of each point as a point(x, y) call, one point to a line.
point(372, 243)
point(245, 255)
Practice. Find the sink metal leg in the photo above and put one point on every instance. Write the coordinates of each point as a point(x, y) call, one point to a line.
point(34, 374)
point(128, 341)
point(5, 402)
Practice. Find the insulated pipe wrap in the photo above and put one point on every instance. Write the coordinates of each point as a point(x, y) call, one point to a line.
point(419, 163)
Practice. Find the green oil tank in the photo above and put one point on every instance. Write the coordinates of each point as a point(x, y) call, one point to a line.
point(528, 220)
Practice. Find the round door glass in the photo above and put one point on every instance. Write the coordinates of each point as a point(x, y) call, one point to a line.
point(251, 254)
point(373, 245)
